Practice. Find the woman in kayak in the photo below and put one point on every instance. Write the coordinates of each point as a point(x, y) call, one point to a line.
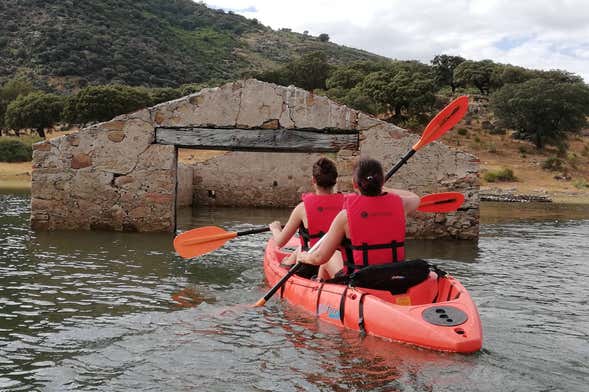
point(371, 226)
point(313, 216)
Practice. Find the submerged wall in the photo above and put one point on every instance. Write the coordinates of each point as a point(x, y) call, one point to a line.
point(113, 176)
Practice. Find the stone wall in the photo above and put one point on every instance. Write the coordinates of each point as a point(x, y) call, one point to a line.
point(112, 176)
point(109, 176)
point(185, 188)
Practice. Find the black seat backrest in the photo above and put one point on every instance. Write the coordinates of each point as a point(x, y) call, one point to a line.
point(396, 278)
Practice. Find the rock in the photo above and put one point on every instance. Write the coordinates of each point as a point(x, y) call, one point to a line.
point(80, 161)
point(271, 124)
point(116, 136)
point(124, 180)
point(42, 146)
point(73, 140)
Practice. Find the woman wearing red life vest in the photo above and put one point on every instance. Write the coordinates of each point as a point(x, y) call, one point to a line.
point(313, 216)
point(371, 226)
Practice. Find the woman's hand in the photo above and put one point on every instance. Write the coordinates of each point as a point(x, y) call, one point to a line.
point(275, 226)
point(304, 257)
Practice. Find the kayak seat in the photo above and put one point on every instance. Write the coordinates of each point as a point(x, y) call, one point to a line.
point(396, 278)
point(420, 294)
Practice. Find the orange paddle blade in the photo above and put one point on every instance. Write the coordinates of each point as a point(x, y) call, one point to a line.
point(202, 240)
point(443, 121)
point(441, 202)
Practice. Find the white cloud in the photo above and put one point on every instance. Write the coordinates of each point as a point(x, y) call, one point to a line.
point(543, 34)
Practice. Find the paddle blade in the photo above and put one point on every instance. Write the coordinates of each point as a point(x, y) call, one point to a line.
point(443, 121)
point(202, 240)
point(441, 202)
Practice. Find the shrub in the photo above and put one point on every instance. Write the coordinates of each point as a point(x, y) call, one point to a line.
point(573, 159)
point(585, 151)
point(503, 175)
point(462, 131)
point(580, 183)
point(553, 164)
point(12, 150)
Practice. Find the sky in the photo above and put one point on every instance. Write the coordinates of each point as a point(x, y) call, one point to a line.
point(538, 34)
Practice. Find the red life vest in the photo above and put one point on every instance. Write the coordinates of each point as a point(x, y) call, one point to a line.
point(377, 230)
point(320, 210)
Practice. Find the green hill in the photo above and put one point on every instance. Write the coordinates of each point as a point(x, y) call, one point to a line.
point(67, 44)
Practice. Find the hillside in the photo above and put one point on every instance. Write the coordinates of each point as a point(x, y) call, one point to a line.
point(67, 44)
point(567, 180)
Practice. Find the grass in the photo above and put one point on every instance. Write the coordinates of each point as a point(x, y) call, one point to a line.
point(500, 175)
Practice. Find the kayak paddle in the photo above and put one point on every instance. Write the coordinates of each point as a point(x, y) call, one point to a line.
point(206, 239)
point(439, 125)
point(197, 242)
point(441, 202)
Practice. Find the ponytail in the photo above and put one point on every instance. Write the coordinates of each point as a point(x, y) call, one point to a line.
point(369, 177)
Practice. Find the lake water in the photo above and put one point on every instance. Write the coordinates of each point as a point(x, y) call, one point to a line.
point(94, 311)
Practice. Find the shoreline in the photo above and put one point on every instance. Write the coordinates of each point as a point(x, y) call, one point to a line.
point(17, 177)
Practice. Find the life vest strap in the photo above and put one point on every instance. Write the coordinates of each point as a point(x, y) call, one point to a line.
point(306, 236)
point(349, 248)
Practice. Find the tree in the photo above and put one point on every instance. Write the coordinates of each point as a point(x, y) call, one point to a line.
point(10, 91)
point(163, 94)
point(512, 74)
point(479, 74)
point(36, 110)
point(310, 71)
point(443, 67)
point(323, 37)
point(280, 76)
point(542, 110)
point(402, 87)
point(558, 75)
point(345, 78)
point(102, 103)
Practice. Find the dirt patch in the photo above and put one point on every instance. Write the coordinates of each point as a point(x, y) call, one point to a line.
point(188, 156)
point(15, 175)
point(502, 151)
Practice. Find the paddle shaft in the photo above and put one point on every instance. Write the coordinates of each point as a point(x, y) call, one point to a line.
point(283, 280)
point(440, 124)
point(224, 236)
point(278, 285)
point(253, 231)
point(399, 164)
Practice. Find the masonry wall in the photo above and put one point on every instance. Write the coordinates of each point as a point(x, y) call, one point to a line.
point(112, 176)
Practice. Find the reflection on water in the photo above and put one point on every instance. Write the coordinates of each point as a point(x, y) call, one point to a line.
point(119, 311)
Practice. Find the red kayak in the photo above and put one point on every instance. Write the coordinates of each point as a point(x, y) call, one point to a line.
point(437, 313)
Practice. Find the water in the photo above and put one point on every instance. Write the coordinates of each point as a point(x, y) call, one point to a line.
point(95, 311)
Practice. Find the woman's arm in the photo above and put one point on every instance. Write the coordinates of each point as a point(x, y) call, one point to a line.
point(329, 243)
point(410, 199)
point(283, 235)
